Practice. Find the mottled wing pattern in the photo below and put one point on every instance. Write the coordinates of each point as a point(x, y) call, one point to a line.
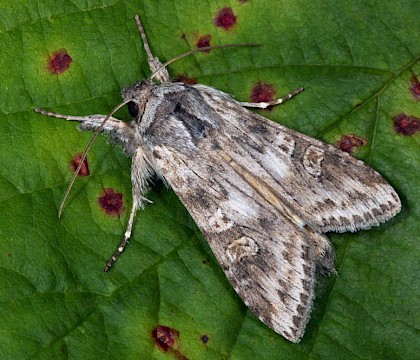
point(266, 257)
point(262, 194)
point(328, 188)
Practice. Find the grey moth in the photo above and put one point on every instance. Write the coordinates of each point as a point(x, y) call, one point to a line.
point(263, 195)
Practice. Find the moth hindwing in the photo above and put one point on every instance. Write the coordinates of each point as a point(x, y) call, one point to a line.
point(262, 194)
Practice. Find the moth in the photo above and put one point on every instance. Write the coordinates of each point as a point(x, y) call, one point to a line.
point(263, 195)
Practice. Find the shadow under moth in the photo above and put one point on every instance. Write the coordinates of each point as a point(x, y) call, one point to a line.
point(263, 195)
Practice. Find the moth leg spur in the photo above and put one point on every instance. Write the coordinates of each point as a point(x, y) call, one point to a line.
point(266, 104)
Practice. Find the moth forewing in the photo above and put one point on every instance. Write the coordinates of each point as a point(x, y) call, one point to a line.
point(329, 189)
point(262, 194)
point(268, 259)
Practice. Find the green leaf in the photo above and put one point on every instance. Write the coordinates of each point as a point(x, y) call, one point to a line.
point(356, 60)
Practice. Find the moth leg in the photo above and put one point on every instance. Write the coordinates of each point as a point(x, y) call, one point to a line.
point(120, 131)
point(124, 241)
point(154, 63)
point(91, 121)
point(140, 172)
point(264, 105)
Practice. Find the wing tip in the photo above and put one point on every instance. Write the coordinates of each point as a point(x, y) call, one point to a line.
point(359, 219)
point(296, 329)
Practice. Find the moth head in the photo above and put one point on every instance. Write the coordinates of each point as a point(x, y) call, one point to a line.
point(136, 97)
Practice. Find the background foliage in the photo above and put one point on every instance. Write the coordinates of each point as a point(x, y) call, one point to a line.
point(355, 59)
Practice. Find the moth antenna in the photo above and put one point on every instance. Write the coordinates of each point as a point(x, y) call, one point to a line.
point(146, 46)
point(83, 157)
point(155, 64)
point(204, 48)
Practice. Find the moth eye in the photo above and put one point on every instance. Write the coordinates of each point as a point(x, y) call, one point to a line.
point(133, 109)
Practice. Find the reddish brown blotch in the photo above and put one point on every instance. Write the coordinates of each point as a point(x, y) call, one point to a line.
point(262, 92)
point(204, 41)
point(111, 202)
point(59, 62)
point(185, 79)
point(165, 337)
point(225, 18)
point(406, 125)
point(167, 340)
point(74, 163)
point(415, 87)
point(350, 142)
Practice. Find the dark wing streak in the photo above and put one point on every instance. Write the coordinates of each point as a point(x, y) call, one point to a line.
point(203, 180)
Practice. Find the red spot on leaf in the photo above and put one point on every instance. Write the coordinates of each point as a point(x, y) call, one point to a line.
point(406, 125)
point(225, 18)
point(111, 202)
point(59, 62)
point(165, 337)
point(205, 339)
point(184, 78)
point(84, 170)
point(204, 41)
point(415, 87)
point(350, 142)
point(263, 93)
point(167, 340)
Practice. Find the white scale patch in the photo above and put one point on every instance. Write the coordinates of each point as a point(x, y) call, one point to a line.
point(240, 248)
point(285, 143)
point(237, 203)
point(272, 159)
point(218, 222)
point(312, 160)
